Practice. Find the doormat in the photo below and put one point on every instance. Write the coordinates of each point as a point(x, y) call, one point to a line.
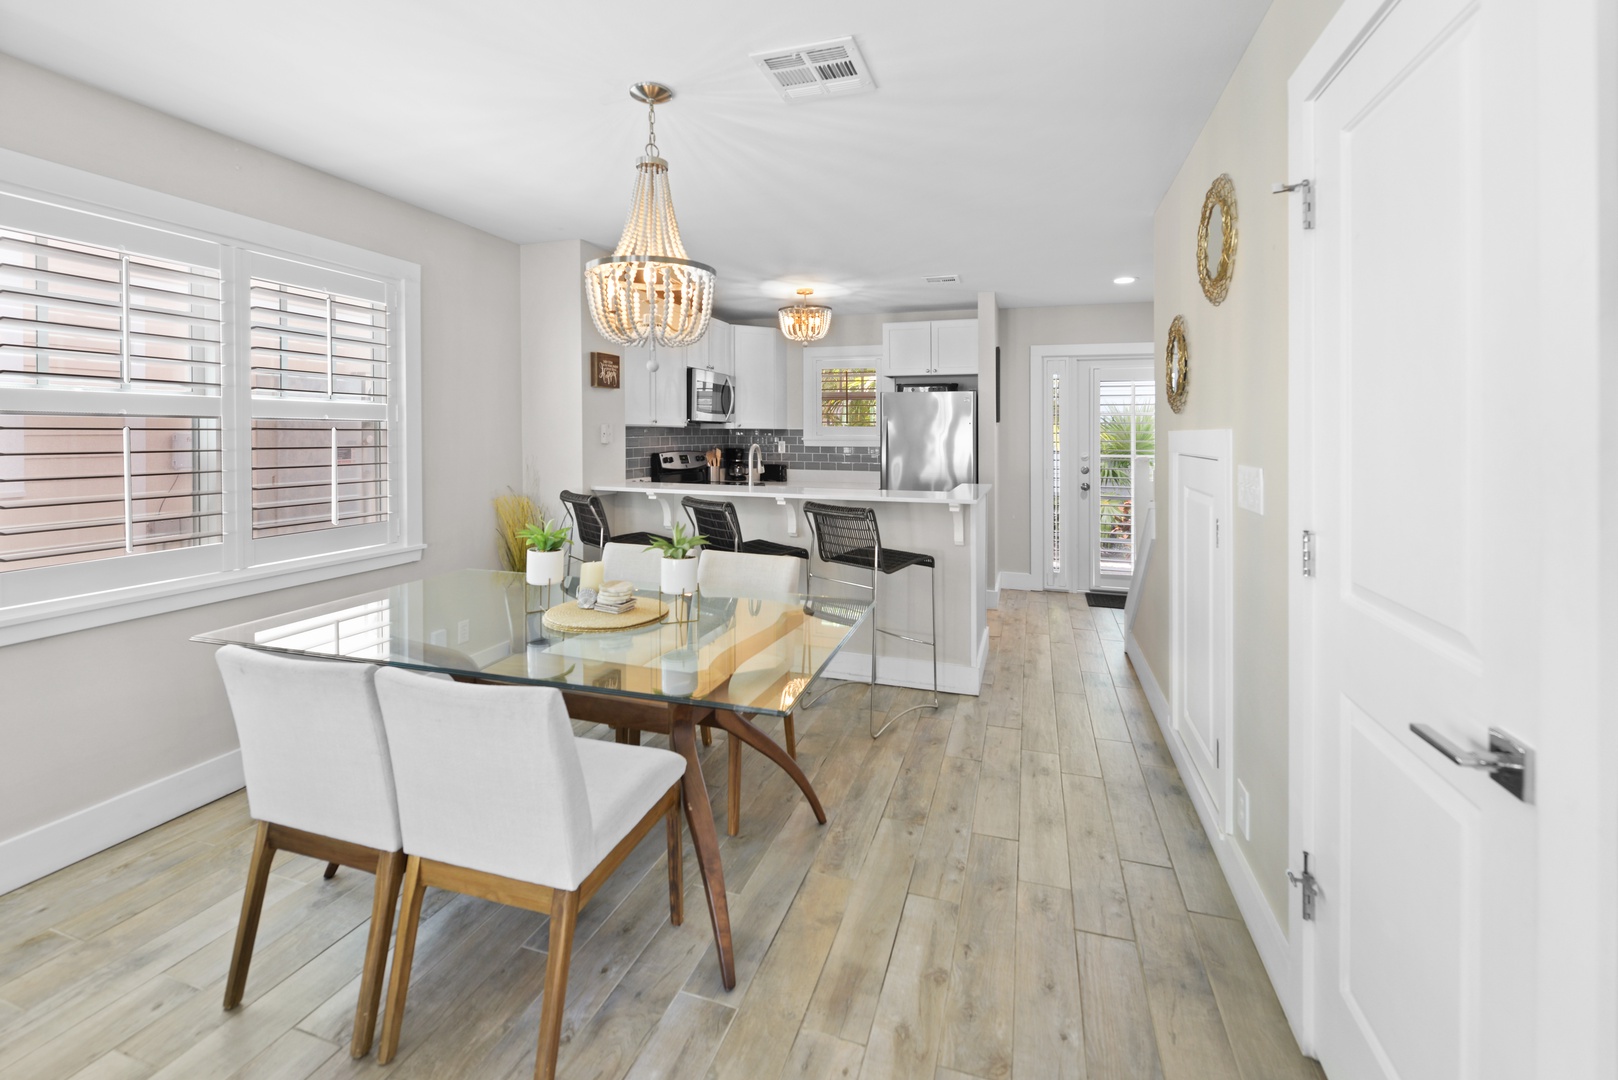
point(1106, 599)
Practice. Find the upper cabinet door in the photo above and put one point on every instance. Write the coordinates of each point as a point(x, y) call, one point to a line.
point(761, 385)
point(955, 347)
point(721, 347)
point(653, 399)
point(907, 348)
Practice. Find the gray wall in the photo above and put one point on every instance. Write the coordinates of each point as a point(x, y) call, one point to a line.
point(1020, 330)
point(1238, 380)
point(92, 715)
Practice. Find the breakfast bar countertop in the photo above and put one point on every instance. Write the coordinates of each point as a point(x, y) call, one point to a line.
point(963, 495)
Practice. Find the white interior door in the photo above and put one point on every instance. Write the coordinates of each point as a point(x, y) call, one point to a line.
point(1097, 419)
point(1202, 617)
point(1419, 612)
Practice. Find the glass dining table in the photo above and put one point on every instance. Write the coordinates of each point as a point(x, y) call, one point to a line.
point(728, 659)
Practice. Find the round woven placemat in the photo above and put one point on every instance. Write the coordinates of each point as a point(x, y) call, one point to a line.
point(573, 619)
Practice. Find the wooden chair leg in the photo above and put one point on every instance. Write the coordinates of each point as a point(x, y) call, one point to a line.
point(707, 736)
point(733, 797)
point(258, 879)
point(404, 951)
point(620, 736)
point(792, 738)
point(676, 866)
point(564, 914)
point(331, 871)
point(389, 869)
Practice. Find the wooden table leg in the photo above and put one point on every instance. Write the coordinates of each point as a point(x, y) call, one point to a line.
point(771, 749)
point(705, 838)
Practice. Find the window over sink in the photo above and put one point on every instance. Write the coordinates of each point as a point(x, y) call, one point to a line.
point(840, 395)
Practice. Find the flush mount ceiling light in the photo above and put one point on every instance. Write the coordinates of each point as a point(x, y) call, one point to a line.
point(647, 290)
point(804, 322)
point(1125, 280)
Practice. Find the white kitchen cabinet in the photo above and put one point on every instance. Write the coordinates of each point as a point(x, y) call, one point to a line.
point(760, 371)
point(716, 350)
point(907, 348)
point(654, 399)
point(940, 347)
point(955, 347)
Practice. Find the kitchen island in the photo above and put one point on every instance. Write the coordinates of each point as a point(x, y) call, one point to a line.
point(948, 525)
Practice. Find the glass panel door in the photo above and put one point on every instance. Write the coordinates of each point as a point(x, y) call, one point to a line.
point(1124, 401)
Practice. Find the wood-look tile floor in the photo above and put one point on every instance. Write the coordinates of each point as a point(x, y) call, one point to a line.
point(1016, 885)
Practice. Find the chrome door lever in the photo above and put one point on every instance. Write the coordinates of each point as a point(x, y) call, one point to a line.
point(1509, 762)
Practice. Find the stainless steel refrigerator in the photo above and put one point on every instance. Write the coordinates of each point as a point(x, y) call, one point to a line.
point(929, 440)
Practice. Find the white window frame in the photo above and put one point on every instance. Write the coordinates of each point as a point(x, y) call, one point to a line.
point(817, 358)
point(101, 592)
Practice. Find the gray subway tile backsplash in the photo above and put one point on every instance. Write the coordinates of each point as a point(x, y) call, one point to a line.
point(642, 442)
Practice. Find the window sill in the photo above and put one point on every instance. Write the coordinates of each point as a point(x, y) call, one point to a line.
point(121, 605)
point(839, 439)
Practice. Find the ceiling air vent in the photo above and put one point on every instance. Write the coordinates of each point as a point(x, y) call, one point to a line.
point(943, 279)
point(826, 69)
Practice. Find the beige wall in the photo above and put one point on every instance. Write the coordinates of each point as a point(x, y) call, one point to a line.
point(1238, 380)
point(92, 715)
point(1020, 330)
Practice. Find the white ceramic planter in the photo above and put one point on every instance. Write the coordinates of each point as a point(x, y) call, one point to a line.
point(680, 669)
point(546, 567)
point(679, 575)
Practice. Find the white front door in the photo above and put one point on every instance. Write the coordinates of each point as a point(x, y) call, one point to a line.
point(1419, 612)
point(1097, 418)
point(1202, 615)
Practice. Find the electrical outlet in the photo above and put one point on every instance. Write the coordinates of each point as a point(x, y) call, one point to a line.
point(780, 446)
point(1244, 815)
point(439, 637)
point(463, 631)
point(847, 450)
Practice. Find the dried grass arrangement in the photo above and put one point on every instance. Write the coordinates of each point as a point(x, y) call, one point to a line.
point(512, 513)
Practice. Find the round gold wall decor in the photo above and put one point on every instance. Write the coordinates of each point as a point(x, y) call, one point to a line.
point(1176, 364)
point(1219, 220)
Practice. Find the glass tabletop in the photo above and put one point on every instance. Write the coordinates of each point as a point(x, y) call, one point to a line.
point(746, 654)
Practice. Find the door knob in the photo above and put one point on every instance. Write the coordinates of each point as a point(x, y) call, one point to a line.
point(1084, 486)
point(1508, 762)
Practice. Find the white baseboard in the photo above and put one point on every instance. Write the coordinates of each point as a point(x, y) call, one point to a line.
point(914, 672)
point(1011, 579)
point(65, 841)
point(1273, 948)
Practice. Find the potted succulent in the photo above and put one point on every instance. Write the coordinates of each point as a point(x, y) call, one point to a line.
point(679, 566)
point(547, 561)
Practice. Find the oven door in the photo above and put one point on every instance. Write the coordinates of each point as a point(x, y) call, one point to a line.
point(711, 397)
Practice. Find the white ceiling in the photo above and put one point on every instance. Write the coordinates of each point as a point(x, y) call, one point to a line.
point(1023, 144)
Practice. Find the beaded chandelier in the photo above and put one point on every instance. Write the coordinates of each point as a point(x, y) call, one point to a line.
point(804, 322)
point(647, 290)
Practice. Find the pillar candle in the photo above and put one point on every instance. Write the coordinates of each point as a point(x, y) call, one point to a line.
point(590, 575)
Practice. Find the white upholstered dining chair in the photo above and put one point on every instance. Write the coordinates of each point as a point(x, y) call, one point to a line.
point(632, 563)
point(741, 574)
point(319, 783)
point(499, 800)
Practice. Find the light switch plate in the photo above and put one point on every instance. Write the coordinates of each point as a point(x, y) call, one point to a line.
point(1250, 488)
point(606, 434)
point(780, 446)
point(1244, 811)
point(438, 637)
point(463, 631)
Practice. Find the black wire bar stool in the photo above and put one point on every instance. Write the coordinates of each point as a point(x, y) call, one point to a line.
point(848, 536)
point(590, 527)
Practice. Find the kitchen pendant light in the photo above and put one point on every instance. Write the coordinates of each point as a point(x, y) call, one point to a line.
point(647, 290)
point(804, 322)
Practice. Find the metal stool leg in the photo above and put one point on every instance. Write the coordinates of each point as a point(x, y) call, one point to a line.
point(932, 581)
point(870, 701)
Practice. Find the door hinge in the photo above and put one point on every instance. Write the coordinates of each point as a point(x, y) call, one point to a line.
point(1307, 188)
point(1311, 888)
point(1308, 553)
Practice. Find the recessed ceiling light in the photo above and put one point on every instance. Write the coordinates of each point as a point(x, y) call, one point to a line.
point(1125, 280)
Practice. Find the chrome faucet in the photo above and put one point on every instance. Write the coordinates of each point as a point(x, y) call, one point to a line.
point(751, 472)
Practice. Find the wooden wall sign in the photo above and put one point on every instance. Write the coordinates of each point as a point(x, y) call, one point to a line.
point(604, 371)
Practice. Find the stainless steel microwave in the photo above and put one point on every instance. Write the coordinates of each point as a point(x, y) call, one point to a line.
point(710, 397)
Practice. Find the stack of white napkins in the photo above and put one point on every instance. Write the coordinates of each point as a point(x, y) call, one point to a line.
point(615, 597)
